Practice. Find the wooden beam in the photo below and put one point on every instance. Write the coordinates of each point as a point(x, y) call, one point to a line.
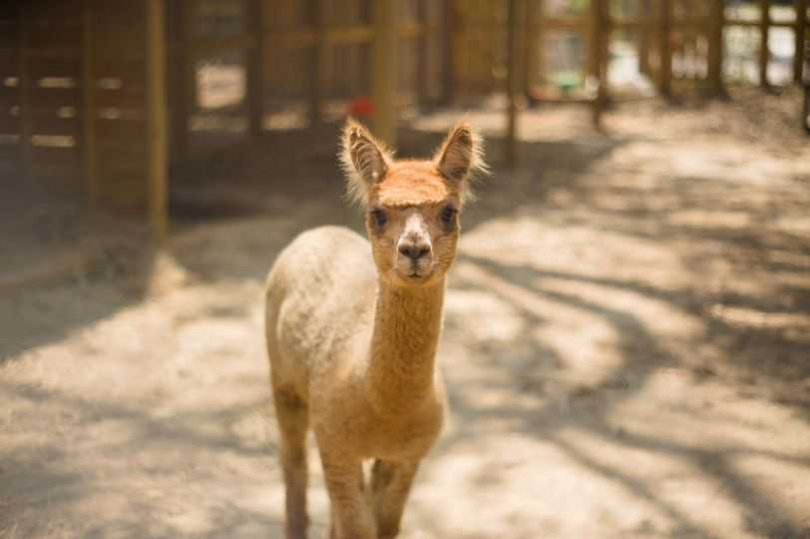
point(757, 23)
point(156, 131)
point(716, 49)
point(764, 49)
point(255, 13)
point(800, 32)
point(385, 91)
point(513, 88)
point(88, 107)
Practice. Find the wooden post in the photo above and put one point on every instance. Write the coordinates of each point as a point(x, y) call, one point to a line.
point(764, 49)
point(665, 84)
point(255, 21)
point(156, 117)
point(422, 56)
point(592, 59)
point(644, 39)
point(88, 107)
point(448, 63)
point(385, 71)
point(800, 33)
point(717, 20)
point(534, 43)
point(601, 43)
point(513, 80)
point(318, 68)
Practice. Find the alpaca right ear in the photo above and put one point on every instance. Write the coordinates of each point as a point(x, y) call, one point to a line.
point(461, 156)
point(365, 160)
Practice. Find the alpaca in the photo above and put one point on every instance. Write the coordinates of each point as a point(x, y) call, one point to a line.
point(352, 331)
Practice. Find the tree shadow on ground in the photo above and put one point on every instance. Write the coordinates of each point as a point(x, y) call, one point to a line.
point(642, 355)
point(41, 484)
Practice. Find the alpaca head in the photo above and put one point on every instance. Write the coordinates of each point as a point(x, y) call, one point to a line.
point(412, 207)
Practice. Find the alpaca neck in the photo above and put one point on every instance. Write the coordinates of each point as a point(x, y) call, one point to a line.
point(407, 324)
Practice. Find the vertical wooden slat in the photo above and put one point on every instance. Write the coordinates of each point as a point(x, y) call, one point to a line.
point(182, 75)
point(255, 20)
point(385, 71)
point(592, 59)
point(156, 117)
point(25, 94)
point(318, 68)
point(644, 39)
point(716, 50)
point(367, 55)
point(422, 58)
point(665, 83)
point(764, 49)
point(513, 79)
point(88, 106)
point(534, 43)
point(448, 62)
point(800, 33)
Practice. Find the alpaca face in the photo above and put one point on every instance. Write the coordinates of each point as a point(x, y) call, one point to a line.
point(413, 238)
point(413, 207)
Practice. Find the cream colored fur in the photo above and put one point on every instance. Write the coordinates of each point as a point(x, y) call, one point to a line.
point(352, 331)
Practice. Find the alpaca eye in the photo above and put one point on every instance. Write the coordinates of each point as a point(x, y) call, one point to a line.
point(379, 217)
point(448, 215)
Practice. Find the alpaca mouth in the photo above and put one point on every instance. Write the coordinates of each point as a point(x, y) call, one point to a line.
point(416, 274)
point(414, 271)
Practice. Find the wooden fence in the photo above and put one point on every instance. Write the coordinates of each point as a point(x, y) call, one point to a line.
point(690, 34)
point(78, 109)
point(96, 95)
point(299, 56)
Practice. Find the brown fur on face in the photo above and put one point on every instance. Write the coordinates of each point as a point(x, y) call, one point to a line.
point(413, 198)
point(412, 183)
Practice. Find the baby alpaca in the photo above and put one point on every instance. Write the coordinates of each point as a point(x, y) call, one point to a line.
point(352, 329)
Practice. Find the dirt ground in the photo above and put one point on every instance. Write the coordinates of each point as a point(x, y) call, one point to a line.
point(627, 343)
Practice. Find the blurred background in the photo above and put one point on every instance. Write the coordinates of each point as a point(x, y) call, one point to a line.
point(627, 336)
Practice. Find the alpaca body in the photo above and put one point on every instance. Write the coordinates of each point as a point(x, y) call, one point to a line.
point(320, 315)
point(352, 328)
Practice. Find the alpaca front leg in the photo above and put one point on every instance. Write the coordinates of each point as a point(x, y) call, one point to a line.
point(351, 515)
point(390, 484)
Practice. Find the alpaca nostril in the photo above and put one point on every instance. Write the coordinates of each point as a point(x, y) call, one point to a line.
point(414, 251)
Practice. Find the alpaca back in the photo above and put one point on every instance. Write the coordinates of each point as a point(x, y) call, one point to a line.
point(319, 304)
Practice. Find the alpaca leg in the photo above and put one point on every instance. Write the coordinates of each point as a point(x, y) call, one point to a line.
point(391, 483)
point(351, 516)
point(293, 421)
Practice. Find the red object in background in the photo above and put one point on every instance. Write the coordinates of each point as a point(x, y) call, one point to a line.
point(361, 107)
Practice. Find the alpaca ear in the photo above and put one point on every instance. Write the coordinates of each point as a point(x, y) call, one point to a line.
point(364, 159)
point(460, 155)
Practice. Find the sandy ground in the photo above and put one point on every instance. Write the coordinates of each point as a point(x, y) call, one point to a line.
point(627, 346)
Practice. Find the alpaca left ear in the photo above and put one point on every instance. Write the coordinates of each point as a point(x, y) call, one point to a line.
point(365, 160)
point(461, 155)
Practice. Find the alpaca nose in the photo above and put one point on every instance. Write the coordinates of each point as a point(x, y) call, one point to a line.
point(414, 250)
